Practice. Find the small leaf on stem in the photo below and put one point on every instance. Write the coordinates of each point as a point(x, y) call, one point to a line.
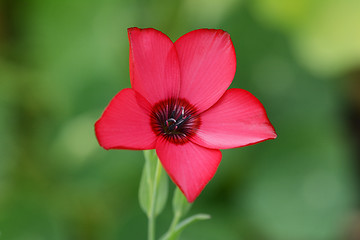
point(175, 234)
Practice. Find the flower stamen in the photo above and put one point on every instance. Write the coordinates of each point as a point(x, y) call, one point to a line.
point(175, 119)
point(171, 120)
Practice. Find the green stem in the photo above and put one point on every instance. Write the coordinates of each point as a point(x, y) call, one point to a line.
point(172, 227)
point(151, 223)
point(174, 222)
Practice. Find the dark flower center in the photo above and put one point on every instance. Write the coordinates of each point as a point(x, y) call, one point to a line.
point(175, 119)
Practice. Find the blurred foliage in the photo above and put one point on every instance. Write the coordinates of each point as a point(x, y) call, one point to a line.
point(325, 33)
point(62, 61)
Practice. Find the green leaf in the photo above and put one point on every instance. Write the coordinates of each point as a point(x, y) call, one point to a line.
point(174, 235)
point(153, 177)
point(180, 205)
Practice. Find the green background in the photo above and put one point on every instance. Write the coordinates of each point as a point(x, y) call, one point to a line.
point(61, 62)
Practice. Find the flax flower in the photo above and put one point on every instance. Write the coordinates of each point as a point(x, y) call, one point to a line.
point(179, 105)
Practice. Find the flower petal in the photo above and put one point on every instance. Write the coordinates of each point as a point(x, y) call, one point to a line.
point(189, 165)
point(236, 120)
point(154, 65)
point(125, 123)
point(207, 65)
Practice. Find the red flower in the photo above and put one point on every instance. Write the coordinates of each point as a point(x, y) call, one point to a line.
point(179, 104)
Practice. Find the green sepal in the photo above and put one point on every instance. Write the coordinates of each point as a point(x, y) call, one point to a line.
point(179, 203)
point(148, 182)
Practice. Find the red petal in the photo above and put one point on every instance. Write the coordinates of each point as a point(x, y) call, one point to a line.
point(237, 119)
point(125, 123)
point(154, 65)
point(207, 65)
point(189, 165)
